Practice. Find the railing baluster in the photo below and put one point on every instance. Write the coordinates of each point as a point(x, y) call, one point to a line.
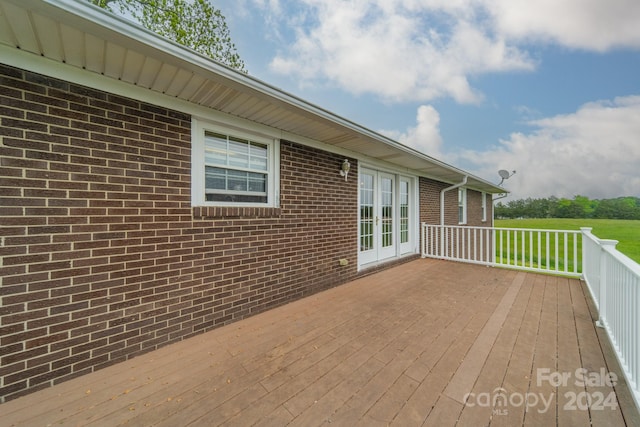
point(575, 252)
point(490, 244)
point(522, 252)
point(556, 249)
point(531, 249)
point(566, 253)
point(515, 248)
point(539, 263)
point(549, 253)
point(455, 242)
point(508, 248)
point(494, 236)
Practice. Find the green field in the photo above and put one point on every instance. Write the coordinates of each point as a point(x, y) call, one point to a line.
point(626, 232)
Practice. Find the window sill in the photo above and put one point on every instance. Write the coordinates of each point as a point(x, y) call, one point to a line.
point(235, 212)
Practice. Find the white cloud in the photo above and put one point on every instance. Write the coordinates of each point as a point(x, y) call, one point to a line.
point(425, 136)
point(398, 50)
point(586, 24)
point(592, 152)
point(421, 50)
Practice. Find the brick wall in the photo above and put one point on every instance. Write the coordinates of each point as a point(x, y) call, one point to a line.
point(102, 256)
point(474, 209)
point(430, 213)
point(430, 201)
point(430, 205)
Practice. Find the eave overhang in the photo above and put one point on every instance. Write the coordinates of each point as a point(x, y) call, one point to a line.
point(83, 36)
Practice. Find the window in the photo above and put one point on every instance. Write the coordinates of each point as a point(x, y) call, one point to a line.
point(366, 211)
point(404, 210)
point(484, 207)
point(462, 205)
point(235, 169)
point(231, 169)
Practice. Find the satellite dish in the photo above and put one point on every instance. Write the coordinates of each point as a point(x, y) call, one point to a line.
point(505, 175)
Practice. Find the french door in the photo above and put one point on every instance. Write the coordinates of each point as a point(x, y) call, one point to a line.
point(384, 215)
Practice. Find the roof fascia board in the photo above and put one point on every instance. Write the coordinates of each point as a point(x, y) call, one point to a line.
point(34, 63)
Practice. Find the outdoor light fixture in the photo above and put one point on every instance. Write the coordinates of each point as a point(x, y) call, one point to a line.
point(344, 169)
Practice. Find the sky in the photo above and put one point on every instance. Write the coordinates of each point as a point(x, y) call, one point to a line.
point(548, 88)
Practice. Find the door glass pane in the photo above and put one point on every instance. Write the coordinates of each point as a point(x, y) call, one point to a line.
point(366, 212)
point(386, 193)
point(404, 211)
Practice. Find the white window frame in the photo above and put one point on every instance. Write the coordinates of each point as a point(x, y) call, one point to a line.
point(484, 207)
point(462, 205)
point(198, 187)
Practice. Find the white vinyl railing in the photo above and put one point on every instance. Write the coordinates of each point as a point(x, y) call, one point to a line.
point(458, 243)
point(614, 282)
point(612, 278)
point(551, 251)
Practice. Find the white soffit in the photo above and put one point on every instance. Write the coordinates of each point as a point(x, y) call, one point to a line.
point(81, 35)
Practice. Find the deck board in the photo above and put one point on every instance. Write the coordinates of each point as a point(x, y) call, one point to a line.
point(401, 347)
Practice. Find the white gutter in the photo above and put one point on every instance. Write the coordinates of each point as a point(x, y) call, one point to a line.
point(493, 206)
point(460, 184)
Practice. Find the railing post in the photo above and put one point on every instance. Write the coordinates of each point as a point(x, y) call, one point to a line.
point(581, 267)
point(602, 312)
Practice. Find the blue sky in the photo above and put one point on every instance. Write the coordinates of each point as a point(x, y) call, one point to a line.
point(548, 88)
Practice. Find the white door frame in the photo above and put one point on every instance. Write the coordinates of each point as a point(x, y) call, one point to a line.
point(387, 215)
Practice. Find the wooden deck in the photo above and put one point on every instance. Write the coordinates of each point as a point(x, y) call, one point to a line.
point(401, 347)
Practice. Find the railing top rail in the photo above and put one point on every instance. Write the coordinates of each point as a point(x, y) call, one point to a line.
point(633, 266)
point(503, 228)
point(610, 248)
point(456, 226)
point(544, 230)
point(587, 233)
point(539, 229)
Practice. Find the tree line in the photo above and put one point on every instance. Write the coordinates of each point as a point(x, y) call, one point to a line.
point(578, 207)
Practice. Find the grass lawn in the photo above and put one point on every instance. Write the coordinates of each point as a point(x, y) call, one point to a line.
point(626, 232)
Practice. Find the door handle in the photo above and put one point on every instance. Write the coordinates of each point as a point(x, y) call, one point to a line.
point(377, 219)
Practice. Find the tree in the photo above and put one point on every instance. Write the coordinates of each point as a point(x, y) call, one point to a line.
point(192, 23)
point(501, 211)
point(578, 207)
point(583, 207)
